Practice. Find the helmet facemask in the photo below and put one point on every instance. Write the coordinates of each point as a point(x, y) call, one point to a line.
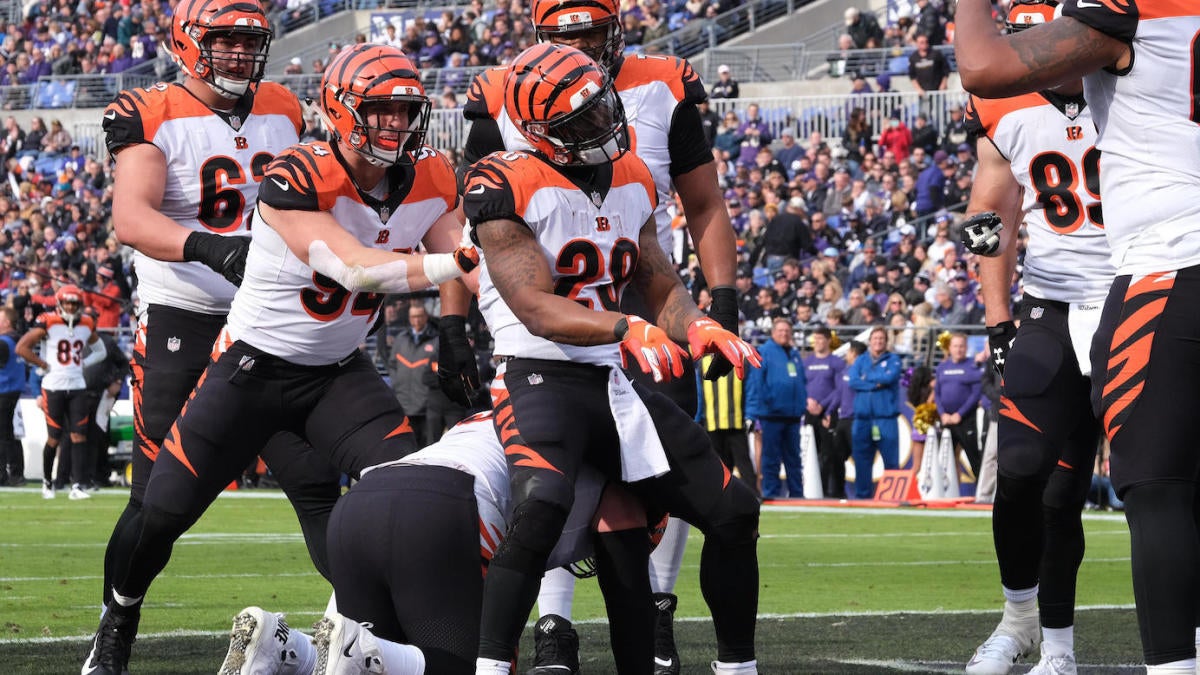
point(595, 132)
point(387, 145)
point(70, 308)
point(605, 49)
point(214, 49)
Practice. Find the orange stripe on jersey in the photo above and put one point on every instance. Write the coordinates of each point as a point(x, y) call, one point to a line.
point(529, 457)
point(487, 90)
point(171, 444)
point(638, 70)
point(1160, 9)
point(991, 110)
point(155, 105)
point(629, 168)
point(274, 99)
point(434, 179)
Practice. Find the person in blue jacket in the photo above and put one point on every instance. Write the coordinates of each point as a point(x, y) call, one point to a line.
point(777, 399)
point(875, 379)
point(959, 386)
point(12, 383)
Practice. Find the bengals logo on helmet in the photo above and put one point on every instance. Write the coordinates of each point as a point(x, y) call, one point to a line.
point(372, 81)
point(567, 18)
point(199, 23)
point(1028, 13)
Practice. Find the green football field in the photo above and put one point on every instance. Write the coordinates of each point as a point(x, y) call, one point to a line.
point(842, 590)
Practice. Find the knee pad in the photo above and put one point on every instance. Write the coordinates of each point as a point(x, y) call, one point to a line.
point(1019, 490)
point(532, 533)
point(550, 487)
point(1067, 490)
point(158, 523)
point(1023, 453)
point(735, 520)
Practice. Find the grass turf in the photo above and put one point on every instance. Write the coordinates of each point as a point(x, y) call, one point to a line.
point(843, 590)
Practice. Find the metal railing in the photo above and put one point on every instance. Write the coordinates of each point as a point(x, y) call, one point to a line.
point(829, 114)
point(705, 33)
point(829, 34)
point(74, 91)
point(864, 62)
point(764, 63)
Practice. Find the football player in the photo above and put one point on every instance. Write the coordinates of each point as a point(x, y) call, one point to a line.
point(1029, 148)
point(660, 94)
point(189, 162)
point(64, 335)
point(1134, 60)
point(422, 602)
point(565, 227)
point(332, 229)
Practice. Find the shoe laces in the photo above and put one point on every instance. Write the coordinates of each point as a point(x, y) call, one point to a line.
point(1054, 665)
point(559, 646)
point(115, 639)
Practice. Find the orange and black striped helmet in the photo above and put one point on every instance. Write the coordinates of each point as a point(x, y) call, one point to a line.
point(564, 104)
point(366, 83)
point(198, 23)
point(69, 294)
point(1029, 13)
point(595, 23)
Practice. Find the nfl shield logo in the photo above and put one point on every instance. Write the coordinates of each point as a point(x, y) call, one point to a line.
point(534, 379)
point(235, 122)
point(1071, 110)
point(1036, 313)
point(173, 344)
point(596, 199)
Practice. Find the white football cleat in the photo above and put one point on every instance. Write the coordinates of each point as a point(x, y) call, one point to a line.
point(1063, 664)
point(77, 493)
point(345, 647)
point(258, 645)
point(47, 490)
point(1002, 650)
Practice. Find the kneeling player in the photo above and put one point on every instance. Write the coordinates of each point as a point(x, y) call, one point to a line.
point(409, 547)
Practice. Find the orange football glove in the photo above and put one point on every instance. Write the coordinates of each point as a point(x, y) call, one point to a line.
point(706, 336)
point(652, 348)
point(466, 257)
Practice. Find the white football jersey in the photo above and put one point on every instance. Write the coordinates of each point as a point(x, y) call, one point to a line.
point(590, 241)
point(1149, 120)
point(1050, 144)
point(288, 310)
point(214, 165)
point(472, 446)
point(64, 348)
point(651, 89)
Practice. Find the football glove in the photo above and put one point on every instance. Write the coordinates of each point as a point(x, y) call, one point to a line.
point(467, 258)
point(724, 310)
point(981, 234)
point(1000, 340)
point(458, 371)
point(224, 255)
point(706, 336)
point(651, 347)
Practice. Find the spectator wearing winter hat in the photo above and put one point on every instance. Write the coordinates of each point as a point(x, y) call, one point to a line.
point(725, 86)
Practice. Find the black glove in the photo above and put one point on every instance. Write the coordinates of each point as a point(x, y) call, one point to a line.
point(724, 310)
point(458, 371)
point(981, 234)
point(224, 255)
point(1000, 340)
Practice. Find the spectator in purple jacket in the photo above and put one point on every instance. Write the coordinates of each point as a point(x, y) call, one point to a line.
point(752, 135)
point(432, 54)
point(957, 392)
point(823, 370)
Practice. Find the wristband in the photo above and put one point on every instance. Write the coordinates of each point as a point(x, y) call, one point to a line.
point(621, 329)
point(440, 268)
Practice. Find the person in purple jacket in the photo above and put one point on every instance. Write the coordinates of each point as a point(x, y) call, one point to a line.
point(752, 135)
point(959, 383)
point(841, 422)
point(822, 370)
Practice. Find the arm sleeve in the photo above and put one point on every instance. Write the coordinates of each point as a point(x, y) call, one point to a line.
point(937, 394)
point(857, 382)
point(686, 142)
point(122, 122)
